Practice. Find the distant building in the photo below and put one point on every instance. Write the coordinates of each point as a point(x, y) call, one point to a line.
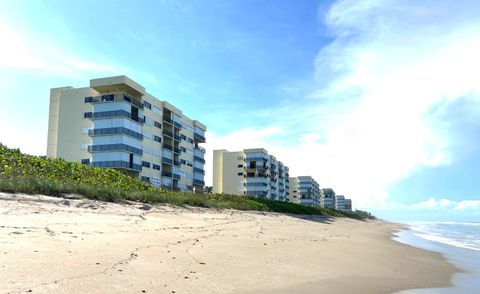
point(251, 172)
point(327, 199)
point(348, 204)
point(304, 190)
point(340, 202)
point(115, 123)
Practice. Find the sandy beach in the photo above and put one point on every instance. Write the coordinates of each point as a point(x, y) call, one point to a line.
point(55, 245)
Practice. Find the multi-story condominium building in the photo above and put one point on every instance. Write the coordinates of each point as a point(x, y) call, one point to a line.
point(304, 190)
point(250, 172)
point(115, 123)
point(339, 202)
point(348, 204)
point(327, 199)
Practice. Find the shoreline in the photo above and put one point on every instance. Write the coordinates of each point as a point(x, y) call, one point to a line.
point(466, 260)
point(77, 245)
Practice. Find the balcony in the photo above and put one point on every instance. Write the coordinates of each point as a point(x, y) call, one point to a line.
point(168, 133)
point(114, 147)
point(199, 159)
point(177, 138)
point(199, 138)
point(177, 125)
point(166, 174)
point(117, 164)
point(176, 163)
point(168, 147)
point(177, 150)
point(115, 131)
point(168, 120)
point(133, 101)
point(198, 170)
point(167, 160)
point(198, 182)
point(116, 113)
point(176, 176)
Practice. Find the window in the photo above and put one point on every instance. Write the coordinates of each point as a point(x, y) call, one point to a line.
point(87, 115)
point(157, 138)
point(240, 174)
point(182, 161)
point(147, 105)
point(107, 97)
point(157, 110)
point(183, 137)
point(86, 161)
point(240, 165)
point(88, 99)
point(183, 149)
point(146, 164)
point(158, 125)
point(146, 179)
point(190, 140)
point(156, 166)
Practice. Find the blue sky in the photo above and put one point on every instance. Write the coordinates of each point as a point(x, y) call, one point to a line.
point(378, 99)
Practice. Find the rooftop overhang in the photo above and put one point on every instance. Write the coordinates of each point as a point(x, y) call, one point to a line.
point(117, 84)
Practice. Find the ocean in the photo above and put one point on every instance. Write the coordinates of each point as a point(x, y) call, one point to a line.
point(459, 242)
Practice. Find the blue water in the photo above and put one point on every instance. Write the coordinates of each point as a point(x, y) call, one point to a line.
point(459, 242)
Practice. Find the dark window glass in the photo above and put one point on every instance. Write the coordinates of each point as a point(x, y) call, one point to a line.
point(156, 166)
point(158, 125)
point(88, 99)
point(87, 115)
point(157, 138)
point(147, 105)
point(240, 165)
point(146, 164)
point(240, 174)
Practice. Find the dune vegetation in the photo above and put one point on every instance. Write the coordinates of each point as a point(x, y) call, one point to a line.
point(22, 173)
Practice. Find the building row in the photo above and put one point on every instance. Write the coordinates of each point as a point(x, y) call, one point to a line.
point(115, 123)
point(254, 172)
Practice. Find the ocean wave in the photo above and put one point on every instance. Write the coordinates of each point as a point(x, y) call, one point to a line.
point(448, 241)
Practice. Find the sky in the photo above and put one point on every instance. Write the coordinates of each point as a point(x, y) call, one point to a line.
point(377, 99)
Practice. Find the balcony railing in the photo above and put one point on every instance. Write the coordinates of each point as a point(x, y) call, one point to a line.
point(167, 160)
point(199, 137)
point(116, 113)
point(117, 164)
point(167, 120)
point(177, 150)
point(199, 159)
point(198, 182)
point(168, 147)
point(176, 163)
point(166, 174)
point(177, 125)
point(168, 133)
point(198, 170)
point(133, 101)
point(176, 176)
point(177, 138)
point(115, 131)
point(114, 147)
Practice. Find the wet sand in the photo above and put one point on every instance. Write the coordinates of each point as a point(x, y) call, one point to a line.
point(55, 245)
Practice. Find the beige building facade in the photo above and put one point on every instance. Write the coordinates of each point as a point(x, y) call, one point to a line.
point(115, 123)
point(250, 172)
point(304, 190)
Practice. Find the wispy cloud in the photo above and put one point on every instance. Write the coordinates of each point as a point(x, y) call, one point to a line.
point(373, 117)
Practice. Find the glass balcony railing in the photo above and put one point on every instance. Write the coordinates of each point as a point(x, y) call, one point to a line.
point(168, 120)
point(167, 146)
point(114, 147)
point(198, 182)
point(168, 133)
point(199, 138)
point(199, 159)
point(116, 113)
point(115, 131)
point(167, 160)
point(117, 164)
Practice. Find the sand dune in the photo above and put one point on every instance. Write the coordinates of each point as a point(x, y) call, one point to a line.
point(55, 245)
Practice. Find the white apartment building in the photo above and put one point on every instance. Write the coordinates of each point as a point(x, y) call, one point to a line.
point(327, 198)
point(115, 123)
point(304, 190)
point(348, 204)
point(340, 202)
point(250, 172)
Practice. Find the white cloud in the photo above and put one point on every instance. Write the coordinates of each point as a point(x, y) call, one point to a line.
point(433, 203)
point(468, 204)
point(371, 120)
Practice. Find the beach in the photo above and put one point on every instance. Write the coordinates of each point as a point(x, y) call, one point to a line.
point(74, 245)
